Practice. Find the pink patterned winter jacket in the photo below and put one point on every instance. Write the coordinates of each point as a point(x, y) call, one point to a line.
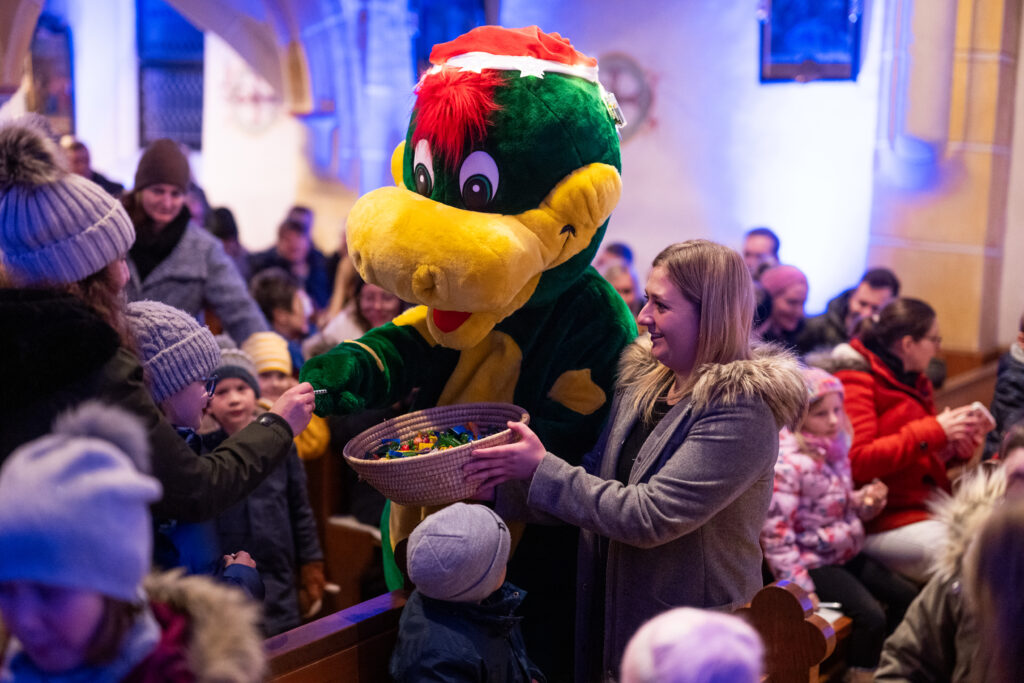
point(813, 520)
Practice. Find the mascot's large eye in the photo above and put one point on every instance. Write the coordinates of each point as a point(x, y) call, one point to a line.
point(423, 168)
point(478, 179)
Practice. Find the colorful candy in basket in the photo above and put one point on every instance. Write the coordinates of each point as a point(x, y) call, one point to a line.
point(432, 441)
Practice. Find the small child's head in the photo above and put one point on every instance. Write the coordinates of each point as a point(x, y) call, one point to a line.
point(687, 645)
point(178, 359)
point(459, 554)
point(233, 403)
point(273, 361)
point(279, 296)
point(76, 537)
point(825, 416)
point(1020, 331)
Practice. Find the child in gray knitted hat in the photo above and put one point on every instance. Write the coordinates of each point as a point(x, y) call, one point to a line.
point(460, 623)
point(72, 568)
point(178, 358)
point(275, 522)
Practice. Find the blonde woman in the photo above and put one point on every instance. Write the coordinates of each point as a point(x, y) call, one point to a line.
point(671, 501)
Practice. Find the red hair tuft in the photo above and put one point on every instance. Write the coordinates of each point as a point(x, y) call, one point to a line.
point(453, 106)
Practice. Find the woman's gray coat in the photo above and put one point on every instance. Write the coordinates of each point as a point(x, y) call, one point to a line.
point(196, 274)
point(684, 532)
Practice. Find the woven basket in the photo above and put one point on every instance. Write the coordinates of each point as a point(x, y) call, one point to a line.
point(436, 478)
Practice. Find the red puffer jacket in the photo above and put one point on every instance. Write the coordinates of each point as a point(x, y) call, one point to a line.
point(896, 437)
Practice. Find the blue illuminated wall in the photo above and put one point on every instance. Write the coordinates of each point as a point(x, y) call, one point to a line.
point(722, 152)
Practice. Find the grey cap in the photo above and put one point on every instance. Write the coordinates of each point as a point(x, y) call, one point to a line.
point(174, 348)
point(459, 553)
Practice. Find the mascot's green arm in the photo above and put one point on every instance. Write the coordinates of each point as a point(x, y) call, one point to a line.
point(376, 370)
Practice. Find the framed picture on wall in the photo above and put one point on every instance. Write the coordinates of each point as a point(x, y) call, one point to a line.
point(51, 90)
point(807, 40)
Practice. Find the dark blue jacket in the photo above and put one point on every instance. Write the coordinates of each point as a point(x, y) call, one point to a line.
point(193, 546)
point(275, 525)
point(459, 641)
point(1008, 401)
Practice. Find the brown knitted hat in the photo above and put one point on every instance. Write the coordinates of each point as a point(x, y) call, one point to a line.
point(163, 162)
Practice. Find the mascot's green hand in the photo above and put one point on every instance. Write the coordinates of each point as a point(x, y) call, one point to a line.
point(334, 374)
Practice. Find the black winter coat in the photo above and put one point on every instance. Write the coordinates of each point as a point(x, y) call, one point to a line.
point(57, 352)
point(275, 525)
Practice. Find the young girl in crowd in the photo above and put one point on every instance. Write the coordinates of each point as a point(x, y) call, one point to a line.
point(72, 566)
point(813, 533)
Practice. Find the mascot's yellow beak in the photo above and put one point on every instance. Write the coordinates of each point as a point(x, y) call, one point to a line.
point(473, 269)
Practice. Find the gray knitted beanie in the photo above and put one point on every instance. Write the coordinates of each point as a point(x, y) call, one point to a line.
point(236, 363)
point(175, 349)
point(74, 505)
point(55, 227)
point(458, 553)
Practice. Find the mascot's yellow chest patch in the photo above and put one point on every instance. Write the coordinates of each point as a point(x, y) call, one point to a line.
point(489, 371)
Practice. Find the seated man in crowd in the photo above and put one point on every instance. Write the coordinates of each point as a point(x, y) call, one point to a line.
point(760, 250)
point(836, 325)
point(295, 253)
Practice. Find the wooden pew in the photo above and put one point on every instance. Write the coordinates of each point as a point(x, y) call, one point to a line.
point(350, 646)
point(796, 640)
point(354, 645)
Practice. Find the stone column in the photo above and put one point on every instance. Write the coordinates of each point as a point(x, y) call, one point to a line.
point(943, 162)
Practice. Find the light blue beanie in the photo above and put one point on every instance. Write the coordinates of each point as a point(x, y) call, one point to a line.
point(74, 505)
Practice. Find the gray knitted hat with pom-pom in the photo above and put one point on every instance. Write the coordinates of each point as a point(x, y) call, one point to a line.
point(74, 505)
point(174, 348)
point(55, 227)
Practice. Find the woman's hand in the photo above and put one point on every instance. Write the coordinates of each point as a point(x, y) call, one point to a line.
point(958, 424)
point(498, 464)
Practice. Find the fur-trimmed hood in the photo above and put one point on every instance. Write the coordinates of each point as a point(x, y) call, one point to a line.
point(772, 374)
point(964, 513)
point(226, 645)
point(842, 357)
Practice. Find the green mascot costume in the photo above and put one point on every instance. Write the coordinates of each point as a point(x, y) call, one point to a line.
point(503, 190)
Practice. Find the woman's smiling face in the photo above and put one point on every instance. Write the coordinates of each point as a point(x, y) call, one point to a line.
point(673, 322)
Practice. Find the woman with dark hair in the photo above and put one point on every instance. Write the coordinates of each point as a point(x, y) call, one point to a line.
point(897, 436)
point(173, 260)
point(671, 501)
point(64, 339)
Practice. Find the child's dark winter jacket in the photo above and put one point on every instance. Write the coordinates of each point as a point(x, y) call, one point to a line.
point(275, 525)
point(194, 546)
point(458, 641)
point(1008, 401)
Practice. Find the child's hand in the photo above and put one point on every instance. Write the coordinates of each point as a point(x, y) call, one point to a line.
point(296, 406)
point(241, 557)
point(498, 464)
point(311, 588)
point(873, 499)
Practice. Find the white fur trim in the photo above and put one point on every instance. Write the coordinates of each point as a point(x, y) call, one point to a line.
point(526, 66)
